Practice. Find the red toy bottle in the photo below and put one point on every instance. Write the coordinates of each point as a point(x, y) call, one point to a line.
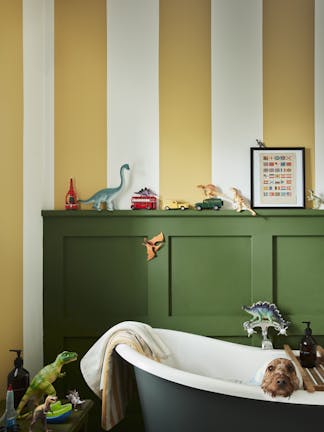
point(71, 200)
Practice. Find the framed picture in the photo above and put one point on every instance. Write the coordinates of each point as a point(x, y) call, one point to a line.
point(278, 177)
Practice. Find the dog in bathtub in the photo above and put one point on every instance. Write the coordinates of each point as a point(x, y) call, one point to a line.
point(280, 378)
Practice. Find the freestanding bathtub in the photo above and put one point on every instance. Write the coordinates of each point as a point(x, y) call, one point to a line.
point(208, 385)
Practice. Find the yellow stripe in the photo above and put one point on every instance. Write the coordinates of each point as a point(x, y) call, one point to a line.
point(11, 178)
point(288, 64)
point(185, 98)
point(80, 97)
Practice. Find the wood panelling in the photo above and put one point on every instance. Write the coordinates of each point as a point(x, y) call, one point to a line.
point(96, 274)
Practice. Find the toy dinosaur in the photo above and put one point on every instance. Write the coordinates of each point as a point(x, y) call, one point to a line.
point(42, 381)
point(74, 398)
point(153, 245)
point(316, 199)
point(40, 412)
point(265, 311)
point(146, 192)
point(108, 194)
point(240, 203)
point(260, 143)
point(210, 190)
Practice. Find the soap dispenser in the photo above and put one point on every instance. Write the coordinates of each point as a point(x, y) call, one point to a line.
point(307, 348)
point(18, 378)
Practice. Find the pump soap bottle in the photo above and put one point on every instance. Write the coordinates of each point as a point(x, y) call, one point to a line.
point(18, 378)
point(307, 348)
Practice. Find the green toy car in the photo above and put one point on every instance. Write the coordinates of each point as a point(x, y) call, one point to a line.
point(209, 203)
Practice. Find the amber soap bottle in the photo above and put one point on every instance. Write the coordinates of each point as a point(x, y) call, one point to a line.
point(307, 348)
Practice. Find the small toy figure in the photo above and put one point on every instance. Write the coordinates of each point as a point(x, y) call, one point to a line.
point(42, 382)
point(108, 194)
point(71, 200)
point(146, 191)
point(40, 413)
point(153, 245)
point(210, 190)
point(316, 199)
point(74, 398)
point(260, 143)
point(239, 203)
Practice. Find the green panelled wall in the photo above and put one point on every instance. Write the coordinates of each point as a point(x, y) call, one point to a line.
point(96, 274)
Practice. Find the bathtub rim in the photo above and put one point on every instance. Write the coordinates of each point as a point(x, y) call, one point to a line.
point(214, 385)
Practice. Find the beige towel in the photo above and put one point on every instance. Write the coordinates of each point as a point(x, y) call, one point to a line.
point(108, 375)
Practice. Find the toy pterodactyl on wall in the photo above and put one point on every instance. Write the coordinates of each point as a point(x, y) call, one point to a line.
point(153, 245)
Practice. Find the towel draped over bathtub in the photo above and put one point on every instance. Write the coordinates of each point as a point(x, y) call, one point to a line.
point(109, 376)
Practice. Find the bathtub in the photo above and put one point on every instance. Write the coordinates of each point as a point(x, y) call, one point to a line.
point(209, 385)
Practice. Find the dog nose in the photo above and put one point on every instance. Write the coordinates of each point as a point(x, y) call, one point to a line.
point(281, 382)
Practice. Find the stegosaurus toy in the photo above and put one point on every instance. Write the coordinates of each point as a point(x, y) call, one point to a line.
point(265, 312)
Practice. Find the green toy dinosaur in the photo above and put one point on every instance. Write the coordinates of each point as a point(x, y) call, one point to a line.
point(42, 381)
point(108, 194)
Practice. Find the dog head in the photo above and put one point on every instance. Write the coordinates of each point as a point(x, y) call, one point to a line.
point(280, 378)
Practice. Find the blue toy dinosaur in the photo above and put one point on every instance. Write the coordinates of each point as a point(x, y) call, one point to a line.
point(265, 312)
point(108, 194)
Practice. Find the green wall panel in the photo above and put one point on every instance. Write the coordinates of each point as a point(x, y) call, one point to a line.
point(206, 273)
point(106, 275)
point(300, 274)
point(96, 273)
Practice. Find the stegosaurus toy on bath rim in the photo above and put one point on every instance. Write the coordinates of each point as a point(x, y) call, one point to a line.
point(265, 315)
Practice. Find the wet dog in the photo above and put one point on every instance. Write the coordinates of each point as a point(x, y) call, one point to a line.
point(280, 378)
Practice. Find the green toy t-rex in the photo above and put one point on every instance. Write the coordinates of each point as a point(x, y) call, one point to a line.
point(108, 194)
point(42, 382)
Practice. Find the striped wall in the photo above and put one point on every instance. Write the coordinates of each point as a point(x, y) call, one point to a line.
point(11, 140)
point(185, 96)
point(288, 71)
point(237, 90)
point(179, 89)
point(80, 73)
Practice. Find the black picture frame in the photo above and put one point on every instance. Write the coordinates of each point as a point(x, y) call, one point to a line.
point(277, 177)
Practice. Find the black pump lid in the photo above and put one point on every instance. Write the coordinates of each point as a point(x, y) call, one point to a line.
point(18, 360)
point(308, 330)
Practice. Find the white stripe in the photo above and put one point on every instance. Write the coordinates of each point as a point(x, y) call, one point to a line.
point(319, 98)
point(38, 178)
point(237, 110)
point(132, 86)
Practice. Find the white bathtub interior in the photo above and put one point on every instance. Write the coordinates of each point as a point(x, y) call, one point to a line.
point(214, 365)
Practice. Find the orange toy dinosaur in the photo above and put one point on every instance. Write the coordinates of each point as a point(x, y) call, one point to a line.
point(210, 190)
point(240, 203)
point(153, 245)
